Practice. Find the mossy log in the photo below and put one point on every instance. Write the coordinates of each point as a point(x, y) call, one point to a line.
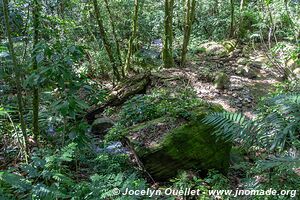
point(121, 93)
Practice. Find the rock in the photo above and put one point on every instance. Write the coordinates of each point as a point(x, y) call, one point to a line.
point(239, 105)
point(214, 49)
point(221, 81)
point(293, 64)
point(101, 126)
point(247, 71)
point(296, 73)
point(168, 145)
point(242, 61)
point(255, 64)
point(246, 51)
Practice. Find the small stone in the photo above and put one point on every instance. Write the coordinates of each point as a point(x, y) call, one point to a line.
point(248, 100)
point(239, 105)
point(247, 71)
point(296, 72)
point(242, 61)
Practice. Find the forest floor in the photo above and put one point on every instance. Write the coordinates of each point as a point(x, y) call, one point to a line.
point(243, 91)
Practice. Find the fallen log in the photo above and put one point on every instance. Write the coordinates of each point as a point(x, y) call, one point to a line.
point(121, 93)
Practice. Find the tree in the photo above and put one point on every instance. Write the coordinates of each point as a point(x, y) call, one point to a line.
point(112, 24)
point(35, 101)
point(105, 41)
point(189, 17)
point(17, 74)
point(231, 34)
point(168, 34)
point(133, 36)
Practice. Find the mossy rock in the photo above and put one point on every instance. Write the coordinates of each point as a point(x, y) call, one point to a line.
point(168, 144)
point(214, 49)
point(247, 71)
point(221, 81)
point(190, 146)
point(296, 73)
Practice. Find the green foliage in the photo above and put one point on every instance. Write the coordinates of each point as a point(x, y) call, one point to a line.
point(159, 103)
point(141, 108)
point(276, 129)
point(213, 181)
point(277, 125)
point(50, 175)
point(277, 173)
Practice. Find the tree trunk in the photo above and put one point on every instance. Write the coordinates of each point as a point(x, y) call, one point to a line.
point(106, 42)
point(231, 34)
point(17, 73)
point(133, 36)
point(35, 101)
point(241, 5)
point(272, 27)
point(188, 20)
point(168, 34)
point(112, 23)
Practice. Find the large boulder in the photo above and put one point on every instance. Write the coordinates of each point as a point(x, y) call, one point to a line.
point(168, 145)
point(214, 49)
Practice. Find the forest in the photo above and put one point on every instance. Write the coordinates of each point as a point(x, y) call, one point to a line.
point(149, 99)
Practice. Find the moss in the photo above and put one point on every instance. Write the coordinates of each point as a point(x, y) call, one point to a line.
point(191, 146)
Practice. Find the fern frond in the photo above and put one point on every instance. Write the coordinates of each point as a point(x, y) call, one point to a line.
point(230, 126)
point(15, 181)
point(41, 191)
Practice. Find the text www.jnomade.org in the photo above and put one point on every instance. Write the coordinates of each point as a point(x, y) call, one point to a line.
point(196, 192)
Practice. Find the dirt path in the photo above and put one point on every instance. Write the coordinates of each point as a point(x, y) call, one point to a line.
point(244, 90)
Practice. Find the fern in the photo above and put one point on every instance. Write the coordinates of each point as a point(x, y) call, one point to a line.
point(276, 127)
point(41, 191)
point(15, 181)
point(231, 126)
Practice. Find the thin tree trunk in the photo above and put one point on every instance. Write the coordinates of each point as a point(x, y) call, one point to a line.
point(17, 73)
point(35, 101)
point(168, 34)
point(106, 42)
point(231, 34)
point(133, 36)
point(241, 5)
point(188, 20)
point(114, 33)
point(271, 28)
